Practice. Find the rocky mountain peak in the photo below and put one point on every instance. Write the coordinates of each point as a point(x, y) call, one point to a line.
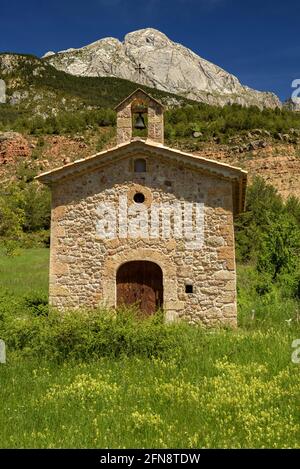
point(149, 37)
point(166, 65)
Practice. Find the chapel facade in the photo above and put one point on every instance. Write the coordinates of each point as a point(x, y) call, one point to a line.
point(146, 224)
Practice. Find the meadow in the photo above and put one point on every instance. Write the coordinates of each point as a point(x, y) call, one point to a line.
point(197, 388)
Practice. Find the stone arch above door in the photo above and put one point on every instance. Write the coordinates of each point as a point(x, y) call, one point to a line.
point(111, 265)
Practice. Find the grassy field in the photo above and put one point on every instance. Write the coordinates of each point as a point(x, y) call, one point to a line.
point(23, 274)
point(218, 389)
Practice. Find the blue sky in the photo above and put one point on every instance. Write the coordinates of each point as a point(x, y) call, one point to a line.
point(256, 40)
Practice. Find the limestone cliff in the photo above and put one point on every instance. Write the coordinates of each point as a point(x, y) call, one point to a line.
point(165, 65)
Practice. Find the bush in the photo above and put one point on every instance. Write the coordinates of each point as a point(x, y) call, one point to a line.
point(37, 303)
point(10, 247)
point(87, 334)
point(11, 215)
point(24, 214)
point(263, 205)
point(223, 122)
point(9, 306)
point(280, 247)
point(264, 304)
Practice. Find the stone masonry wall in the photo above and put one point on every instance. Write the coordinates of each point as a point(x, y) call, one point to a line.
point(155, 119)
point(83, 266)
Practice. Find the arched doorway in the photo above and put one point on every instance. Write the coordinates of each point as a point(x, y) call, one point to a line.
point(140, 283)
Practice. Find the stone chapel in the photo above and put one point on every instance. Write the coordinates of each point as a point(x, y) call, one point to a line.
point(146, 224)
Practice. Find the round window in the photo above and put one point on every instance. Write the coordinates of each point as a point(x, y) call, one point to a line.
point(139, 198)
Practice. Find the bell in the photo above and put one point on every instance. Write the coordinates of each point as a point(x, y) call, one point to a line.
point(140, 123)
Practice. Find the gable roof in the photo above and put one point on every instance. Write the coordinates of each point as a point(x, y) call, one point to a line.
point(132, 95)
point(237, 176)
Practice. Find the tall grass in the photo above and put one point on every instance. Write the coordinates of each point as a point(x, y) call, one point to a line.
point(230, 389)
point(23, 274)
point(94, 380)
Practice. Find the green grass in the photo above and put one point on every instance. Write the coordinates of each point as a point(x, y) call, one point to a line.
point(20, 275)
point(230, 390)
point(219, 388)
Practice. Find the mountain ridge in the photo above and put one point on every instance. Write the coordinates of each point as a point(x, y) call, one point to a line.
point(165, 65)
point(27, 83)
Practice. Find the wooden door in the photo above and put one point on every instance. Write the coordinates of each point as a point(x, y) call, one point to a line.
point(140, 283)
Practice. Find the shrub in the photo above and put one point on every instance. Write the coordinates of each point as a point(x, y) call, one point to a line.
point(11, 215)
point(263, 205)
point(9, 306)
point(280, 247)
point(10, 247)
point(87, 334)
point(37, 303)
point(265, 304)
point(24, 213)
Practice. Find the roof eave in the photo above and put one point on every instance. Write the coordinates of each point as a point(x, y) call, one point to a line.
point(217, 169)
point(133, 93)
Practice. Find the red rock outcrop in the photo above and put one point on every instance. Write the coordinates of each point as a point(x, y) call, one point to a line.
point(13, 146)
point(278, 164)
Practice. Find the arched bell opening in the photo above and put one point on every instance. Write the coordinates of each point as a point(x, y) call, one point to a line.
point(139, 112)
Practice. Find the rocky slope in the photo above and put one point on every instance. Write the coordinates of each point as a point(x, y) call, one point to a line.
point(277, 162)
point(165, 64)
point(33, 87)
point(292, 104)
